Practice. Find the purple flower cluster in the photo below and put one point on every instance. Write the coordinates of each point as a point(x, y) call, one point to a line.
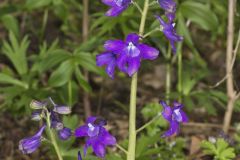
point(174, 115)
point(30, 144)
point(97, 136)
point(126, 55)
point(168, 27)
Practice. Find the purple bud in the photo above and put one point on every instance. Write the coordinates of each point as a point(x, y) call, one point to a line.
point(57, 125)
point(37, 104)
point(37, 115)
point(62, 109)
point(65, 133)
point(30, 144)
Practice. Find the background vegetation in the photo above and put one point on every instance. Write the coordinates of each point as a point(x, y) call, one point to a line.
point(43, 53)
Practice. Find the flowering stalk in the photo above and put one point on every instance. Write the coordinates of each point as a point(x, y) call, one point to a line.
point(168, 75)
point(133, 95)
point(52, 137)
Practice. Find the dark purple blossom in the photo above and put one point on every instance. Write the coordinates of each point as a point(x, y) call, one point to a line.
point(117, 6)
point(126, 55)
point(170, 33)
point(30, 144)
point(56, 123)
point(97, 136)
point(174, 116)
point(65, 133)
point(170, 8)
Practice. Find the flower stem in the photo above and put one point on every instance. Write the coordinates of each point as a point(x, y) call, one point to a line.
point(133, 96)
point(121, 148)
point(168, 75)
point(180, 82)
point(52, 137)
point(148, 123)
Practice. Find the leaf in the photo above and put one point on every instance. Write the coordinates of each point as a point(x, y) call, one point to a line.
point(6, 79)
point(81, 80)
point(16, 52)
point(54, 57)
point(200, 14)
point(62, 75)
point(11, 23)
point(34, 4)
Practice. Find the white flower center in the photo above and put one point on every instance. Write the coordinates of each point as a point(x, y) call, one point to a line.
point(91, 127)
point(178, 115)
point(119, 2)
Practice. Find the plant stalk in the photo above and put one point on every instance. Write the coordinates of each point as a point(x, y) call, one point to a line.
point(52, 138)
point(231, 93)
point(133, 96)
point(168, 74)
point(85, 30)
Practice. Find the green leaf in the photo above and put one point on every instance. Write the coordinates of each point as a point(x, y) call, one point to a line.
point(54, 57)
point(11, 23)
point(81, 80)
point(62, 75)
point(34, 4)
point(6, 79)
point(16, 52)
point(200, 14)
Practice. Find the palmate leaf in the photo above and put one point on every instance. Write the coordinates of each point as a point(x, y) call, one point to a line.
point(16, 52)
point(200, 14)
point(11, 23)
point(62, 74)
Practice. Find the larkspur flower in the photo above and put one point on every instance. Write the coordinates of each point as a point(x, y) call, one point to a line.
point(117, 6)
point(174, 116)
point(126, 55)
point(97, 136)
point(65, 133)
point(170, 33)
point(170, 8)
point(30, 144)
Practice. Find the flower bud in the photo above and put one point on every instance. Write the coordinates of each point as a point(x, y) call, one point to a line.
point(62, 109)
point(65, 133)
point(37, 104)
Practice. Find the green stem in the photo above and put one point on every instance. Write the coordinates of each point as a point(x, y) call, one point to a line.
point(151, 32)
point(138, 7)
point(149, 123)
point(179, 54)
point(121, 148)
point(133, 96)
point(52, 137)
point(168, 75)
point(70, 93)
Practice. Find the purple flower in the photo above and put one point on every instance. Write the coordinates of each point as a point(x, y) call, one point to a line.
point(37, 115)
point(30, 144)
point(117, 6)
point(97, 136)
point(174, 116)
point(110, 60)
point(126, 55)
point(62, 109)
point(170, 8)
point(79, 155)
point(65, 133)
point(170, 33)
point(55, 121)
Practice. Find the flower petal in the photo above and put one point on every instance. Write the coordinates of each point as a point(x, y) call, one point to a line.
point(122, 62)
point(148, 52)
point(109, 2)
point(133, 65)
point(133, 37)
point(81, 131)
point(99, 149)
point(104, 58)
point(114, 45)
point(107, 138)
point(110, 69)
point(173, 129)
point(115, 11)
